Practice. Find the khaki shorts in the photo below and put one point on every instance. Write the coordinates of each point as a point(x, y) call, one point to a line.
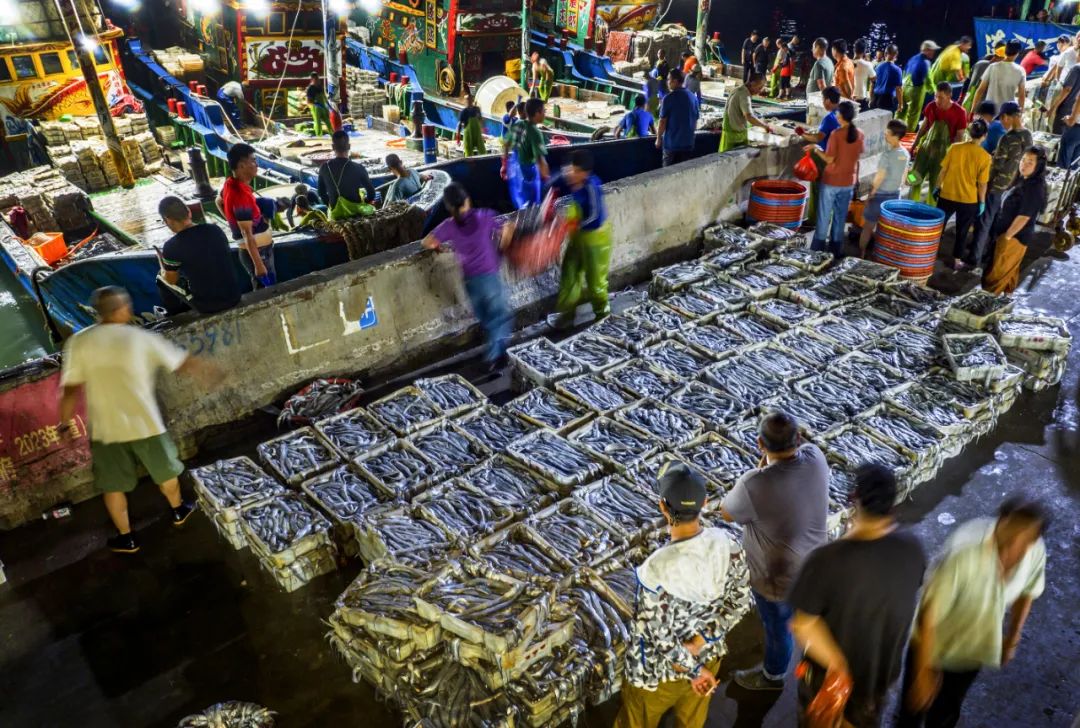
point(115, 463)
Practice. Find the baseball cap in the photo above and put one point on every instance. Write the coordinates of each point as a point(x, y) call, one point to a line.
point(1009, 108)
point(682, 488)
point(929, 45)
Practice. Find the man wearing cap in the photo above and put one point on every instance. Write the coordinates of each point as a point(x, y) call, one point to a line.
point(917, 84)
point(671, 663)
point(782, 506)
point(1004, 81)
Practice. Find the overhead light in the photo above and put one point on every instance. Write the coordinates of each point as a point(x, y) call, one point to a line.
point(260, 8)
point(87, 43)
point(128, 4)
point(205, 7)
point(9, 11)
point(339, 7)
point(371, 7)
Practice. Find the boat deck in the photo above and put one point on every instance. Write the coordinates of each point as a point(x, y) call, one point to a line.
point(134, 212)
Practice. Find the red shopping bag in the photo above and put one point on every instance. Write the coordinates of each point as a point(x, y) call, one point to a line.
point(538, 237)
point(805, 169)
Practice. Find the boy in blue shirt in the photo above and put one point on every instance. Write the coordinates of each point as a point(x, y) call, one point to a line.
point(637, 123)
point(987, 111)
point(585, 263)
point(888, 83)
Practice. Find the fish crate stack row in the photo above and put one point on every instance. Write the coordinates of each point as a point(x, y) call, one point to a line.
point(180, 62)
point(78, 149)
point(51, 201)
point(365, 96)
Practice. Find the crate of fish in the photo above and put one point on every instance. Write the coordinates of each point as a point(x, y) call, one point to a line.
point(614, 443)
point(645, 473)
point(344, 496)
point(594, 351)
point(297, 456)
point(741, 380)
point(406, 410)
point(462, 511)
point(401, 535)
point(675, 277)
point(692, 305)
point(924, 295)
point(353, 432)
point(726, 297)
point(503, 671)
point(838, 394)
point(551, 690)
point(932, 407)
point(304, 569)
point(772, 233)
point(576, 533)
point(751, 327)
point(773, 360)
point(814, 349)
point(814, 418)
point(539, 363)
point(787, 314)
point(827, 293)
point(226, 486)
point(508, 483)
point(756, 285)
point(1041, 369)
point(670, 425)
point(777, 271)
point(493, 427)
point(1036, 333)
point(594, 392)
point(852, 446)
point(718, 459)
point(677, 359)
point(712, 340)
point(862, 269)
point(519, 552)
point(544, 408)
point(978, 309)
point(453, 694)
point(868, 319)
point(708, 403)
point(283, 529)
point(621, 504)
point(557, 459)
point(726, 235)
point(449, 448)
point(664, 318)
point(378, 652)
point(926, 444)
point(974, 356)
point(451, 393)
point(619, 577)
point(906, 349)
point(380, 601)
point(398, 469)
point(859, 367)
point(484, 607)
point(900, 309)
point(642, 379)
point(813, 261)
point(843, 332)
point(631, 333)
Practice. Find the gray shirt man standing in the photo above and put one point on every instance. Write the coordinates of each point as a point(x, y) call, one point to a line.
point(783, 507)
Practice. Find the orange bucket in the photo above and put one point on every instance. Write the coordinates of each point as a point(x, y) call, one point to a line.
point(50, 246)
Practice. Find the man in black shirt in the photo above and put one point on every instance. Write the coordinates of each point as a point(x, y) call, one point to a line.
point(763, 56)
point(342, 177)
point(854, 601)
point(197, 270)
point(747, 59)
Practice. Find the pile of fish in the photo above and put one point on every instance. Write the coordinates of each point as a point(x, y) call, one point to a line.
point(291, 539)
point(224, 487)
point(500, 540)
point(321, 398)
point(233, 714)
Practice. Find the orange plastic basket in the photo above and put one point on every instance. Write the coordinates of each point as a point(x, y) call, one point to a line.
point(50, 246)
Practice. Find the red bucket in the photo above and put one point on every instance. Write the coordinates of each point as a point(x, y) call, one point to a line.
point(181, 109)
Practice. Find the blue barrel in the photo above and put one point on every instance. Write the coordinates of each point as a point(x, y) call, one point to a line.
point(907, 237)
point(431, 144)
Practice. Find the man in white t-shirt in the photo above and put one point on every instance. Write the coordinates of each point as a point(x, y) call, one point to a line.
point(1003, 81)
point(116, 365)
point(864, 76)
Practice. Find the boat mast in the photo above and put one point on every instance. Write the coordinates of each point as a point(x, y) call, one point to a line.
point(84, 41)
point(525, 44)
point(702, 30)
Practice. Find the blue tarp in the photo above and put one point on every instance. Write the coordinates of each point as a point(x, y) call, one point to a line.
point(989, 31)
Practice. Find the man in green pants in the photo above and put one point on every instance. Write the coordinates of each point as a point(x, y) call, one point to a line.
point(739, 114)
point(917, 86)
point(588, 254)
point(320, 107)
point(470, 128)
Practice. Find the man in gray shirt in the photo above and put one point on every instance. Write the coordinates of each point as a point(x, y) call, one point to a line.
point(821, 73)
point(782, 506)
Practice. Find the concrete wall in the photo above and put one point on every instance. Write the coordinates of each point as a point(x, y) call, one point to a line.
point(311, 327)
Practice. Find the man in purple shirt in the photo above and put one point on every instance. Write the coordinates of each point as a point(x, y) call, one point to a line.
point(477, 236)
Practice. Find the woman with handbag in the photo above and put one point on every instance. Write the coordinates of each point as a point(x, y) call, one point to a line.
point(1014, 225)
point(838, 179)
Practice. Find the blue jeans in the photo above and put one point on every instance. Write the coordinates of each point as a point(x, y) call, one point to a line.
point(488, 297)
point(1069, 146)
point(267, 254)
point(778, 641)
point(832, 205)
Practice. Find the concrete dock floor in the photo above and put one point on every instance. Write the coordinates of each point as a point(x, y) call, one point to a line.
point(92, 639)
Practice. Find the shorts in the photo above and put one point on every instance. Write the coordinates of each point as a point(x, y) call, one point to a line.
point(872, 211)
point(115, 462)
point(785, 82)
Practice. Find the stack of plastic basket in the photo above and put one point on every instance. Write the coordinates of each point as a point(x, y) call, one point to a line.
point(779, 201)
point(908, 235)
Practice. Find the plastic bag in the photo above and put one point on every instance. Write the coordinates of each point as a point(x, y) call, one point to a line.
point(806, 169)
point(538, 237)
point(826, 710)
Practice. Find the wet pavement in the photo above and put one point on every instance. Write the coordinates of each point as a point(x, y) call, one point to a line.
point(92, 639)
